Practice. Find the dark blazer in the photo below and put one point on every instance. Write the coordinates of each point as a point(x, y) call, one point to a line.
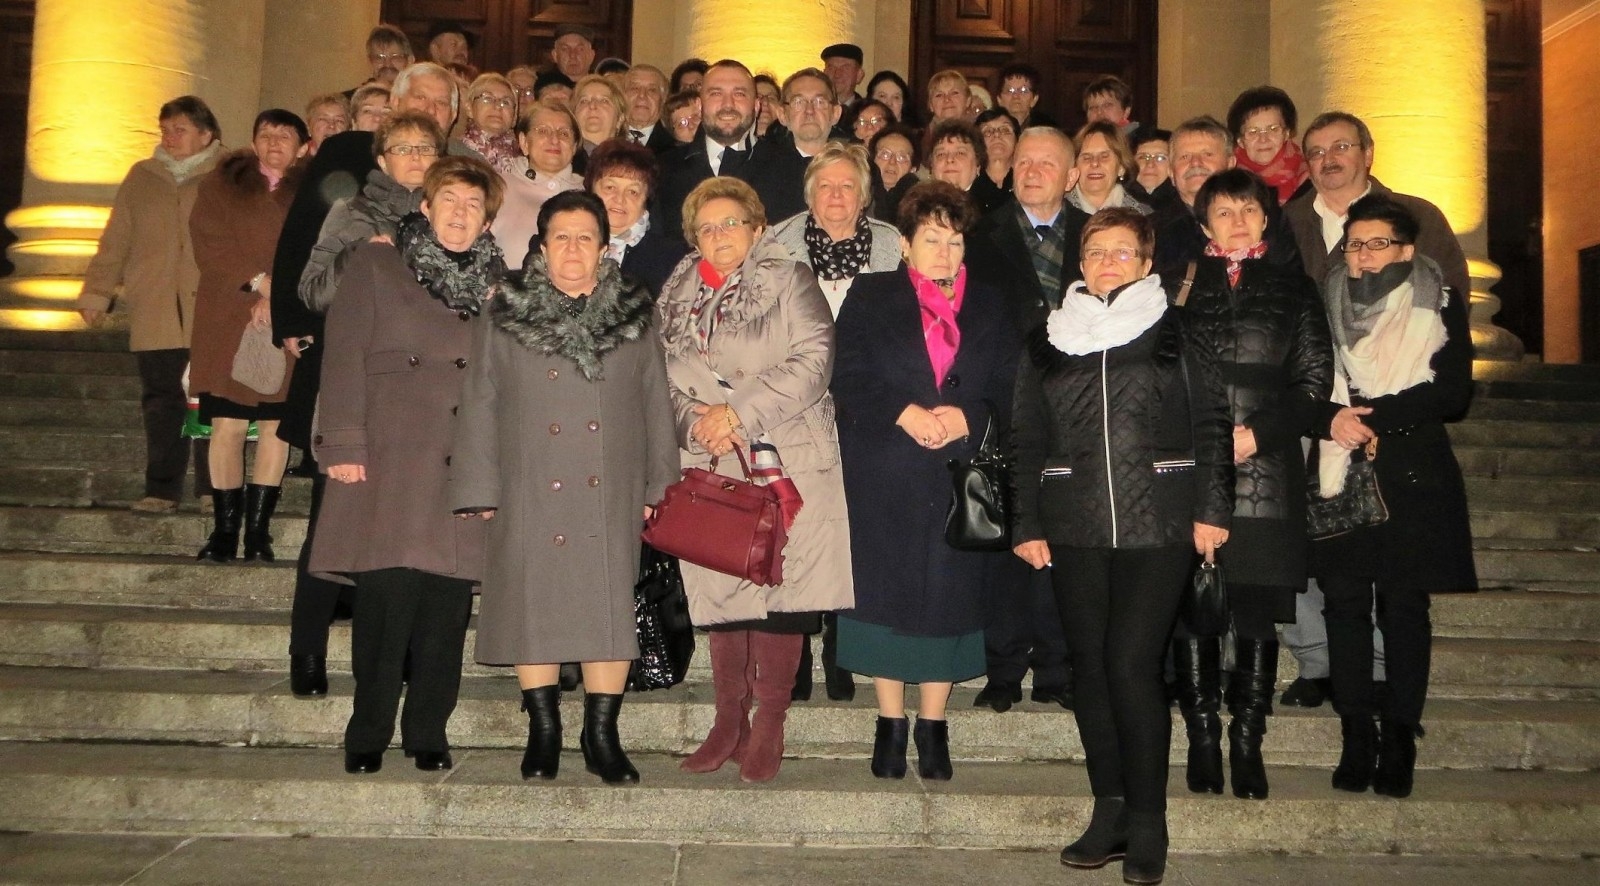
point(661, 140)
point(1000, 256)
point(906, 576)
point(775, 170)
point(652, 259)
point(1436, 240)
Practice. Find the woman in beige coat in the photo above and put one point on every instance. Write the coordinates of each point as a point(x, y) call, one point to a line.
point(750, 345)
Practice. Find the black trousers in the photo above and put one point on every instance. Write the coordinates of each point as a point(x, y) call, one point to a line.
point(314, 598)
point(1407, 645)
point(400, 611)
point(1024, 626)
point(1117, 609)
point(162, 407)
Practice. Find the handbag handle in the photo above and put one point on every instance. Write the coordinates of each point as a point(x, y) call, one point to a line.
point(743, 465)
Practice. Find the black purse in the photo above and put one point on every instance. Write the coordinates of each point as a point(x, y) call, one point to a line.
point(980, 503)
point(661, 614)
point(1359, 504)
point(1204, 607)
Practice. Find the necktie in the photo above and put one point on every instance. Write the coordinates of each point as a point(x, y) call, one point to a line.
point(636, 135)
point(1043, 231)
point(732, 160)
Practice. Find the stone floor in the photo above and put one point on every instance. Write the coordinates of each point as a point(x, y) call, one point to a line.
point(60, 860)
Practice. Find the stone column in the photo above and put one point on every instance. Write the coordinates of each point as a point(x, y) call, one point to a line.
point(780, 36)
point(1415, 73)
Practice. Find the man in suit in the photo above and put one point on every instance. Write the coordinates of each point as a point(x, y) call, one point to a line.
point(645, 88)
point(1019, 248)
point(727, 145)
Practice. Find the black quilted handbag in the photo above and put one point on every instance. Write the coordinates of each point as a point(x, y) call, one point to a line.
point(980, 504)
point(661, 613)
point(1359, 504)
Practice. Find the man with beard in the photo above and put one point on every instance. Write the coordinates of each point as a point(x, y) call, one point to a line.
point(727, 145)
point(645, 88)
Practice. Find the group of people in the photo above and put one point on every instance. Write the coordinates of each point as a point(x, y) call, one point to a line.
point(502, 347)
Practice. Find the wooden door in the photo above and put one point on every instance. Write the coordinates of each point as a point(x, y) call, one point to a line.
point(509, 33)
point(16, 63)
point(1070, 41)
point(1516, 177)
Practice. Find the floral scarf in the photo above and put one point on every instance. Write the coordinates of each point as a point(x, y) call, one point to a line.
point(838, 259)
point(1236, 257)
point(497, 149)
point(463, 281)
point(939, 330)
point(1285, 172)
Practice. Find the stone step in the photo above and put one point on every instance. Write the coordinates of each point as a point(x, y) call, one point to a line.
point(118, 637)
point(1526, 434)
point(30, 341)
point(51, 485)
point(1542, 390)
point(1495, 408)
point(99, 788)
point(69, 412)
point(1512, 566)
point(1524, 461)
point(1553, 373)
point(1568, 529)
point(58, 364)
point(257, 709)
point(83, 386)
point(1528, 493)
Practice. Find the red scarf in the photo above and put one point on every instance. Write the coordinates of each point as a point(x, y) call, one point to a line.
point(1285, 173)
point(1236, 257)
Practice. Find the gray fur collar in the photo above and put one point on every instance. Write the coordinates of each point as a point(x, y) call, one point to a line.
point(758, 281)
point(530, 309)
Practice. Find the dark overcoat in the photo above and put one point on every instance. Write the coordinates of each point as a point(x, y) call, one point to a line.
point(567, 432)
point(391, 385)
point(906, 576)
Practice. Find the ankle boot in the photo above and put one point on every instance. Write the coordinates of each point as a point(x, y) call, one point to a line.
point(259, 504)
point(1104, 840)
point(933, 749)
point(1255, 675)
point(602, 749)
point(1146, 861)
point(730, 658)
point(1358, 760)
point(889, 748)
point(776, 657)
point(226, 507)
point(543, 755)
point(840, 683)
point(1397, 759)
point(1198, 663)
point(308, 675)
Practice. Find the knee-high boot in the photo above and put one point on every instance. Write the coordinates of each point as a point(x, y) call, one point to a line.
point(1198, 663)
point(1255, 675)
point(226, 507)
point(543, 755)
point(730, 681)
point(776, 657)
point(260, 503)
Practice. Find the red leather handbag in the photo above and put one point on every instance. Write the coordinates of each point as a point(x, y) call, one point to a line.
point(724, 524)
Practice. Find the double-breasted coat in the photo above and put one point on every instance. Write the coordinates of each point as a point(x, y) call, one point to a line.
point(775, 348)
point(566, 432)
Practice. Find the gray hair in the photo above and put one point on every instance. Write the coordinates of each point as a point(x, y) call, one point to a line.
point(402, 83)
point(1204, 125)
point(855, 155)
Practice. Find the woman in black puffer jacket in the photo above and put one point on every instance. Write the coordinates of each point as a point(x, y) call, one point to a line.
point(1123, 471)
point(1265, 324)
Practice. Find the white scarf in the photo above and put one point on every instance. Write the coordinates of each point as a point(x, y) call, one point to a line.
point(184, 169)
point(1086, 324)
point(622, 240)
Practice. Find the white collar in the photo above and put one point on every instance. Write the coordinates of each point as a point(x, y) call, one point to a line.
point(1086, 324)
point(1333, 223)
point(714, 149)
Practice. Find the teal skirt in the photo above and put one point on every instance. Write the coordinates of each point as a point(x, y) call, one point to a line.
point(877, 651)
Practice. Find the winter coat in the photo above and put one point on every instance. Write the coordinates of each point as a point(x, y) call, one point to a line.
point(883, 255)
point(146, 257)
point(566, 431)
point(775, 346)
point(518, 219)
point(391, 385)
point(1269, 334)
point(235, 227)
point(652, 260)
point(351, 222)
point(906, 576)
point(1103, 442)
point(772, 167)
point(1001, 255)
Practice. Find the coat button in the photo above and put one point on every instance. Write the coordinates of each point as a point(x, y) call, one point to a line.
point(317, 440)
point(555, 485)
point(560, 540)
point(738, 373)
point(465, 315)
point(414, 360)
point(692, 393)
point(553, 374)
point(555, 429)
point(447, 461)
point(455, 410)
point(594, 481)
point(594, 426)
point(953, 380)
point(461, 362)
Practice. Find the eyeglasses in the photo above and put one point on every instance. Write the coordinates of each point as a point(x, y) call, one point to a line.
point(1338, 149)
point(1121, 256)
point(560, 135)
point(1151, 158)
point(887, 156)
point(816, 103)
point(524, 94)
point(1000, 131)
point(1018, 90)
point(863, 122)
point(493, 102)
point(1263, 131)
point(721, 228)
point(685, 122)
point(1371, 244)
point(594, 101)
point(410, 150)
point(386, 56)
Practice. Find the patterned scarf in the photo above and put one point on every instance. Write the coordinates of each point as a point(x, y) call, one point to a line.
point(463, 281)
point(939, 330)
point(838, 259)
point(1236, 257)
point(497, 149)
point(1285, 172)
point(622, 241)
point(1048, 254)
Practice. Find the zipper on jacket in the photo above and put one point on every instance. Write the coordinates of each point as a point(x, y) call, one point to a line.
point(1105, 437)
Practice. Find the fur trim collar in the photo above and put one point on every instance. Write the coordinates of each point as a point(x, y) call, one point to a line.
point(530, 309)
point(756, 284)
point(242, 173)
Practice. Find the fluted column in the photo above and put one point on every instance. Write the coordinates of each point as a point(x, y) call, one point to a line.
point(1415, 72)
point(780, 36)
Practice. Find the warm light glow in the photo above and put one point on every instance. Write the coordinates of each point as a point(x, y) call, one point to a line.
point(47, 321)
point(59, 217)
point(45, 288)
point(60, 247)
point(778, 36)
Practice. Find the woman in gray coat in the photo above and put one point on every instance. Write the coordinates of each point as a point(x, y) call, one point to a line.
point(565, 437)
point(750, 346)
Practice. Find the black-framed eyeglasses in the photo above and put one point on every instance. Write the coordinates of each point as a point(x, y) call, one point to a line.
point(1371, 244)
point(1151, 158)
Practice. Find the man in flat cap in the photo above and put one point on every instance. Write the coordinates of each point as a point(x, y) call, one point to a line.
point(842, 63)
point(573, 53)
point(449, 43)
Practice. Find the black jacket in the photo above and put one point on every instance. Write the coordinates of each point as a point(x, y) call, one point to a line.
point(652, 259)
point(998, 254)
point(1102, 440)
point(774, 169)
point(1180, 239)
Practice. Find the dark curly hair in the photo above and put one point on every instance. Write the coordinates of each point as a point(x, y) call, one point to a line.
point(935, 202)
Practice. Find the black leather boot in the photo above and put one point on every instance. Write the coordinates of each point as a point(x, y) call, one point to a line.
point(1198, 663)
point(571, 676)
point(840, 683)
point(1397, 759)
point(259, 504)
point(802, 674)
point(543, 755)
point(1146, 861)
point(1104, 840)
point(1358, 760)
point(602, 749)
point(889, 747)
point(1255, 676)
point(933, 749)
point(226, 507)
point(308, 675)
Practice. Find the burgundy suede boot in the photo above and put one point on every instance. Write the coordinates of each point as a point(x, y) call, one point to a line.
point(776, 656)
point(730, 660)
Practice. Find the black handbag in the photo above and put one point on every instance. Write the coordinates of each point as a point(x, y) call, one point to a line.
point(661, 614)
point(980, 503)
point(1359, 504)
point(1204, 607)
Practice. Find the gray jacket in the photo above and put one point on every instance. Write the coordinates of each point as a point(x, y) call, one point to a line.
point(791, 235)
point(351, 222)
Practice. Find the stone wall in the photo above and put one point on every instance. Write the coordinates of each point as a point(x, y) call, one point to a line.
point(1571, 212)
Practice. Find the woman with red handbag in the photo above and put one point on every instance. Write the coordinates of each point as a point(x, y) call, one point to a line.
point(749, 343)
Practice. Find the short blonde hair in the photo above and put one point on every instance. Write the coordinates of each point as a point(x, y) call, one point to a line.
point(855, 155)
point(613, 92)
point(720, 187)
point(948, 75)
point(484, 81)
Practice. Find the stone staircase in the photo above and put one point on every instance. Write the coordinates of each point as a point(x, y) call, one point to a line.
point(141, 692)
